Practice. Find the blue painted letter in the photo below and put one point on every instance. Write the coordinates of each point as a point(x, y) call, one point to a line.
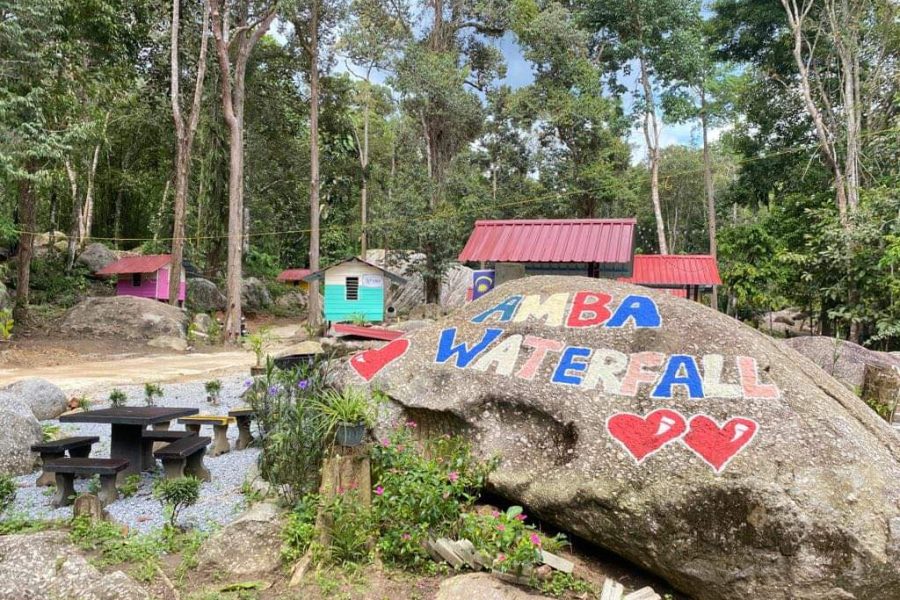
point(567, 363)
point(506, 309)
point(673, 375)
point(446, 350)
point(640, 308)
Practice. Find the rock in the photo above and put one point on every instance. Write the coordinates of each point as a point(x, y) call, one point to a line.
point(126, 317)
point(95, 257)
point(412, 325)
point(204, 296)
point(168, 342)
point(4, 297)
point(789, 322)
point(429, 312)
point(454, 286)
point(307, 347)
point(481, 586)
point(202, 322)
point(293, 301)
point(45, 400)
point(20, 431)
point(46, 565)
point(61, 246)
point(845, 361)
point(692, 445)
point(254, 295)
point(245, 547)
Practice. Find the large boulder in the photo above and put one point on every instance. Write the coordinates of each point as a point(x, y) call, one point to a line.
point(404, 298)
point(692, 445)
point(4, 297)
point(255, 295)
point(20, 431)
point(481, 586)
point(95, 257)
point(125, 317)
point(845, 361)
point(291, 302)
point(45, 400)
point(47, 565)
point(244, 548)
point(204, 296)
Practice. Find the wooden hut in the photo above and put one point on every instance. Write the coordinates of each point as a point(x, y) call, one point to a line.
point(354, 289)
point(294, 277)
point(144, 277)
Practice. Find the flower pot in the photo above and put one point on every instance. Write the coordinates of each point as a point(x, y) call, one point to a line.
point(257, 371)
point(349, 434)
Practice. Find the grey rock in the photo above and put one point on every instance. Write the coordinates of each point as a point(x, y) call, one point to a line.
point(454, 285)
point(95, 257)
point(255, 296)
point(20, 431)
point(45, 565)
point(204, 296)
point(245, 547)
point(845, 361)
point(803, 509)
point(411, 325)
point(202, 322)
point(168, 342)
point(481, 586)
point(292, 301)
point(45, 400)
point(126, 317)
point(4, 297)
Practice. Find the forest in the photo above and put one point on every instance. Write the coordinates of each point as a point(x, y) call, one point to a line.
point(247, 136)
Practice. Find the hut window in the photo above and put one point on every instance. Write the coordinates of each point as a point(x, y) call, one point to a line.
point(136, 280)
point(352, 287)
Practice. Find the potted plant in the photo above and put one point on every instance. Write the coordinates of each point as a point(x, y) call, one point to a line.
point(347, 413)
point(213, 391)
point(257, 342)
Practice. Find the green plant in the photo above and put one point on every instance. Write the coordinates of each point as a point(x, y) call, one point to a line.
point(515, 546)
point(214, 331)
point(358, 319)
point(117, 398)
point(257, 341)
point(83, 402)
point(7, 492)
point(6, 324)
point(350, 405)
point(213, 391)
point(300, 529)
point(130, 486)
point(93, 486)
point(175, 495)
point(151, 392)
point(349, 526)
point(49, 431)
point(192, 333)
point(17, 523)
point(563, 584)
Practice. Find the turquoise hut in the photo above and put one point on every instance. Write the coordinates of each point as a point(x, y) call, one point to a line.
point(354, 289)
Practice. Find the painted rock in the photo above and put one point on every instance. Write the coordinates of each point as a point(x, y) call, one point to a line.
point(668, 433)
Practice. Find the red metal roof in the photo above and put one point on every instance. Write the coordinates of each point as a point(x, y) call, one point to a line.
point(293, 274)
point(372, 333)
point(551, 240)
point(136, 264)
point(675, 270)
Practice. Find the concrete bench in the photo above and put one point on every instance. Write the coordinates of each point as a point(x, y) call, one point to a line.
point(243, 417)
point(156, 439)
point(220, 429)
point(185, 458)
point(67, 468)
point(77, 447)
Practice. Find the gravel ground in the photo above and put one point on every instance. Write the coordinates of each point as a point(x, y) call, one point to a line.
point(220, 499)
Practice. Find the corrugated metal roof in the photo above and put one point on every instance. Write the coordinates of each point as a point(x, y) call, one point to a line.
point(320, 274)
point(293, 274)
point(675, 269)
point(136, 264)
point(551, 240)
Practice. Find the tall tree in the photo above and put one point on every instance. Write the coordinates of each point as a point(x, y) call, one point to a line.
point(250, 26)
point(184, 139)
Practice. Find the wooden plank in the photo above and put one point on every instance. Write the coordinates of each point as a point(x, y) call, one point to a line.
point(612, 590)
point(645, 593)
point(557, 562)
point(466, 551)
point(444, 547)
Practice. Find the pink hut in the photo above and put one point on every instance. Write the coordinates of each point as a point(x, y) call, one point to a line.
point(144, 277)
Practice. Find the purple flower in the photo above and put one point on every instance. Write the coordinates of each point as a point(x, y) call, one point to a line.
point(303, 384)
point(379, 491)
point(273, 390)
point(248, 383)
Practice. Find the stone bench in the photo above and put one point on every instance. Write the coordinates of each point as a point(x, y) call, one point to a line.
point(243, 417)
point(184, 457)
point(67, 468)
point(220, 429)
point(156, 439)
point(77, 447)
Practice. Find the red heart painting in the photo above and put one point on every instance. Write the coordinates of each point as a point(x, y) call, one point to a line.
point(643, 436)
point(718, 445)
point(370, 362)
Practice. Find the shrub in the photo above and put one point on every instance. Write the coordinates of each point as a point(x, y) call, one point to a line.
point(6, 324)
point(83, 402)
point(117, 398)
point(7, 492)
point(300, 529)
point(350, 405)
point(152, 391)
point(257, 342)
point(175, 495)
point(130, 486)
point(515, 545)
point(349, 526)
point(49, 431)
point(213, 391)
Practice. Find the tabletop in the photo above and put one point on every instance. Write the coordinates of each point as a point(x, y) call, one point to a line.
point(129, 415)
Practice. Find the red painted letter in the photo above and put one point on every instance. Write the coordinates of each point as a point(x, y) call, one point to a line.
point(588, 309)
point(750, 380)
point(541, 347)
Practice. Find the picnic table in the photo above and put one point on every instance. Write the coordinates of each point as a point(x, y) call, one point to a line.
point(128, 424)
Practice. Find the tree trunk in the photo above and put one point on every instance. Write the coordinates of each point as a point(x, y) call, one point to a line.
point(313, 305)
point(75, 228)
point(710, 192)
point(364, 188)
point(27, 224)
point(651, 137)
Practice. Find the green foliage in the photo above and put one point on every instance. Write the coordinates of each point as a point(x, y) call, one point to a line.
point(52, 284)
point(358, 319)
point(93, 486)
point(49, 431)
point(515, 545)
point(7, 492)
point(564, 584)
point(151, 392)
point(17, 523)
point(260, 264)
point(175, 495)
point(257, 342)
point(300, 530)
point(213, 389)
point(130, 486)
point(349, 405)
point(117, 398)
point(349, 527)
point(83, 402)
point(6, 324)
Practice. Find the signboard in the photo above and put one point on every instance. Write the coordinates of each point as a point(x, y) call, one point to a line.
point(482, 283)
point(372, 281)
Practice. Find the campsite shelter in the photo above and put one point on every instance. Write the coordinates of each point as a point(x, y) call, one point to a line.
point(144, 277)
point(587, 247)
point(294, 277)
point(684, 275)
point(354, 289)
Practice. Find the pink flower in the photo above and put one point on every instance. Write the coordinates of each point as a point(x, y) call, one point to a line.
point(535, 539)
point(411, 424)
point(379, 491)
point(453, 476)
point(521, 517)
point(405, 536)
point(495, 513)
point(501, 527)
point(340, 491)
point(385, 442)
point(501, 557)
